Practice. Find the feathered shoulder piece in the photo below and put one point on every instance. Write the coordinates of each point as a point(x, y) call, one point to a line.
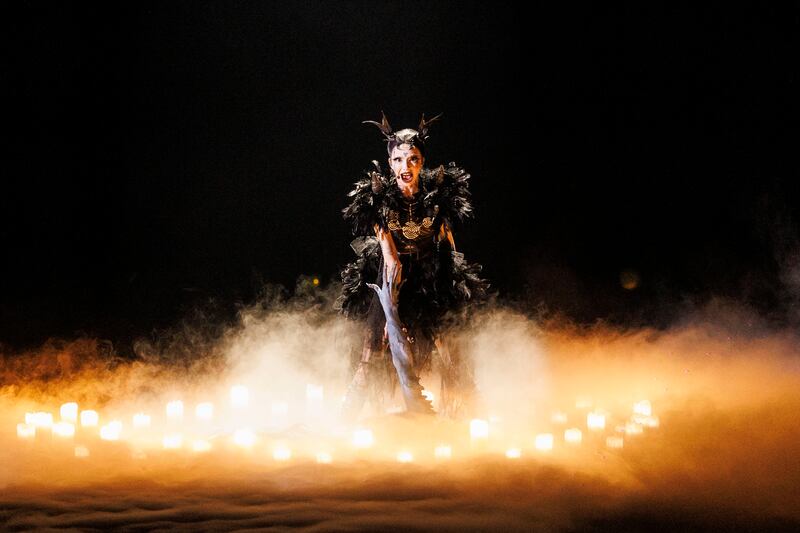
point(448, 188)
point(444, 191)
point(368, 198)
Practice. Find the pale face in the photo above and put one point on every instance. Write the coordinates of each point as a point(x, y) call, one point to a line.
point(406, 162)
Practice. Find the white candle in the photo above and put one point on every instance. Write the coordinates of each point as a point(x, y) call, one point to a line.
point(281, 453)
point(141, 420)
point(244, 437)
point(544, 442)
point(324, 458)
point(240, 396)
point(479, 429)
point(362, 438)
point(64, 430)
point(89, 418)
point(596, 421)
point(573, 436)
point(175, 409)
point(513, 453)
point(173, 441)
point(404, 457)
point(204, 411)
point(26, 431)
point(443, 451)
point(69, 412)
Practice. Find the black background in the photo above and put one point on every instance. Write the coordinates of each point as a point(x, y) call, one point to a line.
point(166, 154)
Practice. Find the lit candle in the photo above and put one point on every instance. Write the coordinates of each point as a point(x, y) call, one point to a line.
point(643, 407)
point(81, 452)
point(141, 420)
point(175, 409)
point(362, 438)
point(632, 428)
point(596, 421)
point(573, 436)
point(89, 418)
point(479, 429)
point(41, 419)
point(240, 396)
point(404, 457)
point(26, 431)
point(111, 431)
point(544, 442)
point(204, 411)
point(324, 458)
point(443, 451)
point(69, 412)
point(281, 453)
point(64, 430)
point(201, 446)
point(244, 438)
point(173, 441)
point(513, 453)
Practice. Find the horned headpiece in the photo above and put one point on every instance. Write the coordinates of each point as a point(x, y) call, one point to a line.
point(405, 136)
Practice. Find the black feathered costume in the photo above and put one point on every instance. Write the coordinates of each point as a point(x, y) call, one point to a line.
point(437, 282)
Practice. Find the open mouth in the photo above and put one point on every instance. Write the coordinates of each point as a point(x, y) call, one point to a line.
point(406, 177)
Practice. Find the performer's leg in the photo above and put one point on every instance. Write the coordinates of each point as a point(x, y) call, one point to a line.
point(368, 368)
point(459, 393)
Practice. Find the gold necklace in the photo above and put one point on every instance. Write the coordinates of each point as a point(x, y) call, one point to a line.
point(411, 229)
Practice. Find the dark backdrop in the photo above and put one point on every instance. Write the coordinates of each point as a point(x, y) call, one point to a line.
point(164, 154)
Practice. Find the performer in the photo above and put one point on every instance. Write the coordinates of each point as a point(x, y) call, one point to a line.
point(404, 226)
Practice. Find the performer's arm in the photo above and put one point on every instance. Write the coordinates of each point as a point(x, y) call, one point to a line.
point(389, 250)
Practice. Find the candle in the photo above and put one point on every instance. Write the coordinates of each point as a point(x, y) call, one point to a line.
point(69, 412)
point(573, 436)
point(479, 429)
point(544, 442)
